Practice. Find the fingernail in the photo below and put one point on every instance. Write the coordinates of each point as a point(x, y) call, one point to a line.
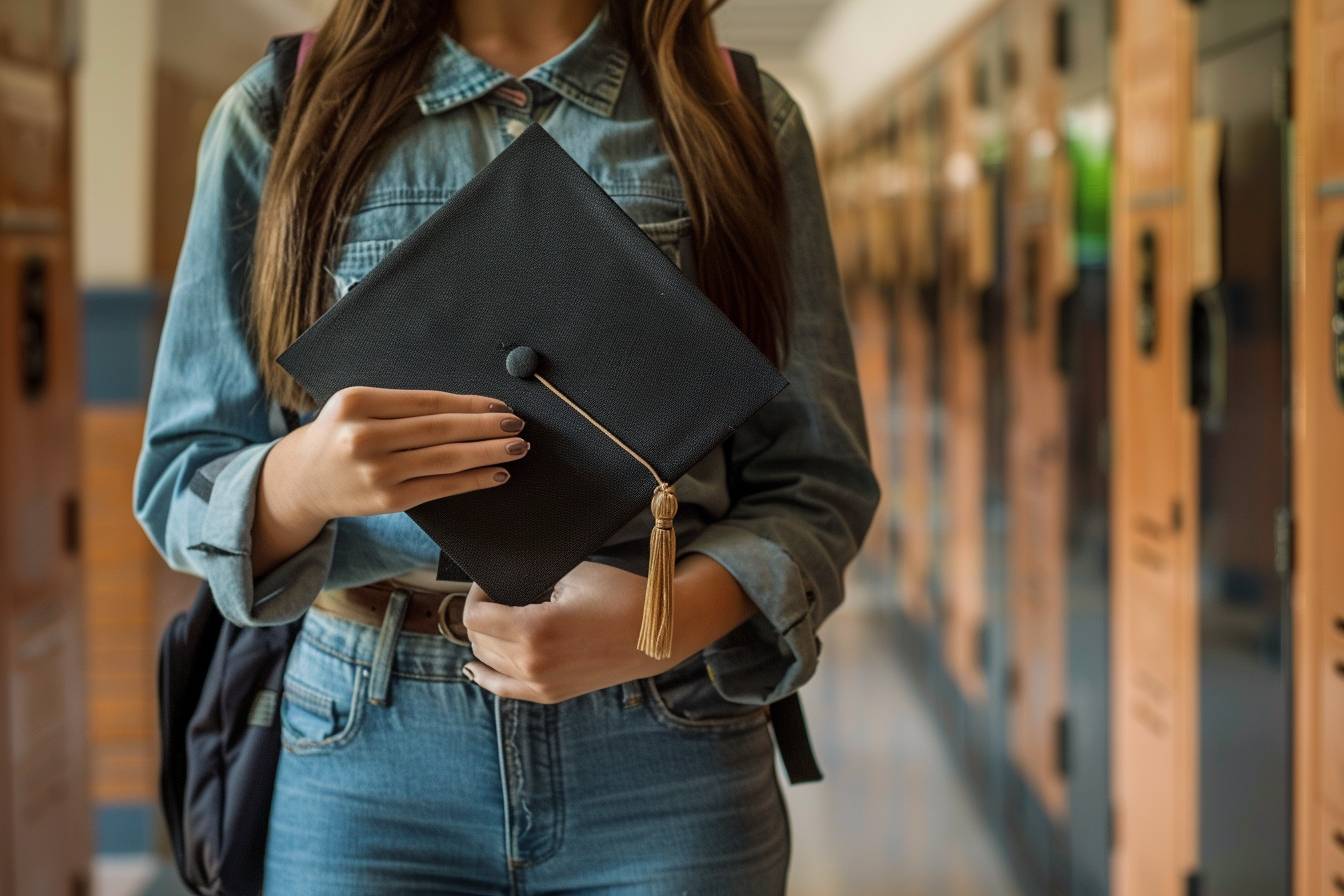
point(467, 674)
point(517, 447)
point(502, 476)
point(498, 406)
point(511, 424)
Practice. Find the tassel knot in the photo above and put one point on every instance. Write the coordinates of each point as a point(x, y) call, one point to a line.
point(655, 629)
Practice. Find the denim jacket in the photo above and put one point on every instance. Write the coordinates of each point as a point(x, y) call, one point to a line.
point(803, 491)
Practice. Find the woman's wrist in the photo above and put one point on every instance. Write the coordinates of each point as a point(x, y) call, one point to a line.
point(709, 604)
point(285, 520)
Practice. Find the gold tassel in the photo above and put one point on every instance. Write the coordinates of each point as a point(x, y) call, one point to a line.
point(655, 629)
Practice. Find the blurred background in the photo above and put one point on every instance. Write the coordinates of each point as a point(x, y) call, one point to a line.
point(1093, 253)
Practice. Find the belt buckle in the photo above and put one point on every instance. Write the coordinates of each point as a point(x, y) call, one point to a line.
point(450, 618)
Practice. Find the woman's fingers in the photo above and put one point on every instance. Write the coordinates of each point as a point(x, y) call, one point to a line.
point(497, 655)
point(439, 460)
point(371, 401)
point(408, 433)
point(499, 683)
point(414, 492)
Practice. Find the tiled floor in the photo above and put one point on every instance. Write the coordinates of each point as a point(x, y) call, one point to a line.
point(893, 818)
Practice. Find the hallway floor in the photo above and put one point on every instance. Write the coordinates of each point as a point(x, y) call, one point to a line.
point(893, 817)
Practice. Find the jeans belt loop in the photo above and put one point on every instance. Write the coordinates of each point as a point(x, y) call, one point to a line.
point(381, 673)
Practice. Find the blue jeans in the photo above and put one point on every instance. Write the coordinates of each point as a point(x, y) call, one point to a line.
point(399, 776)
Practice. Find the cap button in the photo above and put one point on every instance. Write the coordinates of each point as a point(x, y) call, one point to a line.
point(522, 362)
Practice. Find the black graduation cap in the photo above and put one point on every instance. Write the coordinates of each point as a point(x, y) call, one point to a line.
point(532, 286)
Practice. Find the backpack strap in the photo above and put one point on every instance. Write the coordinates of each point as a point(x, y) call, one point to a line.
point(288, 52)
point(786, 714)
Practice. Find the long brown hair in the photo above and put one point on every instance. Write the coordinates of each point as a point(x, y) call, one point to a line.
point(358, 87)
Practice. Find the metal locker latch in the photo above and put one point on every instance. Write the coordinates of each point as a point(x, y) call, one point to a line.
point(1031, 287)
point(33, 300)
point(1145, 319)
point(1337, 320)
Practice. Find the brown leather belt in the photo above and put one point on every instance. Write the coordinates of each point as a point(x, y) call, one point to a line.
point(427, 612)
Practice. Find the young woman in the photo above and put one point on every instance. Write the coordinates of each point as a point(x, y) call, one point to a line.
point(436, 742)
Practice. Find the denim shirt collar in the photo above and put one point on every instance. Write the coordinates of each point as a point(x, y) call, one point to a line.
point(589, 72)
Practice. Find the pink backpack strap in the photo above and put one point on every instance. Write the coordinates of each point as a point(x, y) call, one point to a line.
point(728, 64)
point(305, 47)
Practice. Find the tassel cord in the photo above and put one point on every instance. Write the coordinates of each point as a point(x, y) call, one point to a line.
point(655, 627)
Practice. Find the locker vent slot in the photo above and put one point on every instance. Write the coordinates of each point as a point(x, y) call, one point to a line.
point(70, 523)
point(981, 90)
point(1145, 320)
point(1010, 67)
point(1063, 51)
point(33, 298)
point(1062, 744)
point(1283, 541)
point(1337, 319)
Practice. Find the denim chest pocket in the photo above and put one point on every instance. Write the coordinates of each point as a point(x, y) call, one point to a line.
point(322, 701)
point(684, 697)
point(357, 259)
point(673, 237)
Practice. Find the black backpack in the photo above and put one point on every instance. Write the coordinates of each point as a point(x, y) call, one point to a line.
point(220, 685)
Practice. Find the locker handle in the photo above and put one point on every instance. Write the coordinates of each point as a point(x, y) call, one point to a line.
point(1207, 387)
point(1031, 286)
point(984, 328)
point(1145, 318)
point(34, 295)
point(1337, 319)
point(1065, 313)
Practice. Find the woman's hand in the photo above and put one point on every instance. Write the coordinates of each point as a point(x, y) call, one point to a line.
point(583, 639)
point(374, 451)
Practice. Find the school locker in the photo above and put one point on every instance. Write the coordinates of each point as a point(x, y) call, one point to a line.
point(1039, 278)
point(988, 266)
point(964, 276)
point(44, 828)
point(913, 345)
point(1317, 353)
point(870, 319)
point(1154, 618)
point(1235, 314)
point(1081, 55)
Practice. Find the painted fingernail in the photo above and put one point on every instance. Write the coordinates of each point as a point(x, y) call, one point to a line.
point(468, 674)
point(498, 407)
point(517, 447)
point(511, 424)
point(501, 476)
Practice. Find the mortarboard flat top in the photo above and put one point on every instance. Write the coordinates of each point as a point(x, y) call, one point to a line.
point(533, 254)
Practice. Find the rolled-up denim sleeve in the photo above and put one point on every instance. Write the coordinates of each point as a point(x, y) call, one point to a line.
point(803, 489)
point(209, 424)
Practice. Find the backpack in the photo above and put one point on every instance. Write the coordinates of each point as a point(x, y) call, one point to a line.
point(219, 686)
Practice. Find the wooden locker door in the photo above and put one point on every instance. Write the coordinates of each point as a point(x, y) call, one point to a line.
point(1153, 546)
point(914, 339)
point(869, 326)
point(916, 551)
point(963, 379)
point(1318, 445)
point(1036, 442)
point(44, 831)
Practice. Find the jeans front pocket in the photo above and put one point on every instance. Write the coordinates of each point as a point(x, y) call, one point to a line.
point(684, 697)
point(322, 702)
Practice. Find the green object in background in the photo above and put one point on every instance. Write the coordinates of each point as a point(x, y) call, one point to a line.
point(1088, 137)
